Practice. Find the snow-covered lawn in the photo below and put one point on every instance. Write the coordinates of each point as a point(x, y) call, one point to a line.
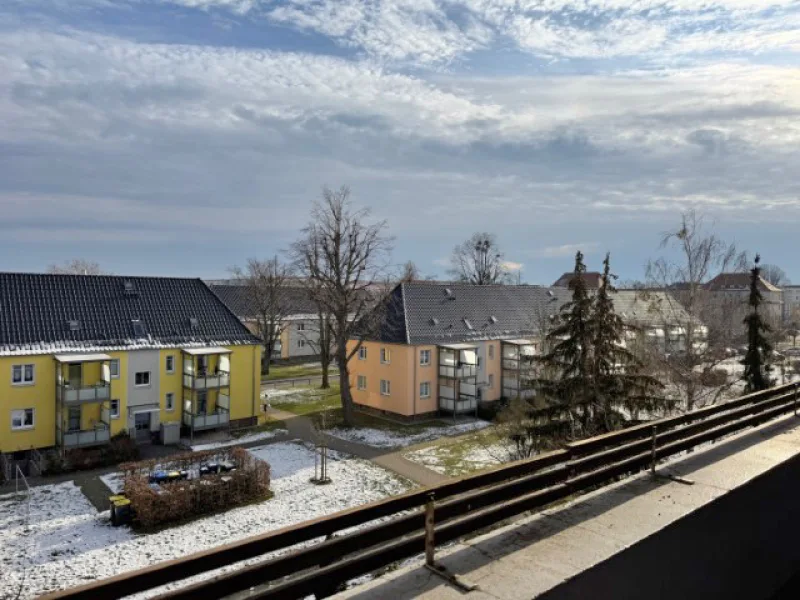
point(71, 543)
point(481, 450)
point(395, 438)
point(245, 439)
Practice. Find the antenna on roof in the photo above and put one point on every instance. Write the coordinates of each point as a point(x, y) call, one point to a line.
point(492, 319)
point(448, 292)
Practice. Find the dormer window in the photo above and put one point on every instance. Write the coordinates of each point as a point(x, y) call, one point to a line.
point(74, 325)
point(138, 329)
point(129, 288)
point(194, 323)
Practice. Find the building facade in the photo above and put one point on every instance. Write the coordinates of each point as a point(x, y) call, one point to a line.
point(83, 358)
point(791, 303)
point(449, 348)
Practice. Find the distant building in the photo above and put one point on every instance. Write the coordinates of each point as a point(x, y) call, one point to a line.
point(299, 335)
point(593, 279)
point(791, 303)
point(731, 292)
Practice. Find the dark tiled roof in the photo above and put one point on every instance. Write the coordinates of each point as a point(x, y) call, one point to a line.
point(592, 279)
point(424, 313)
point(296, 300)
point(36, 311)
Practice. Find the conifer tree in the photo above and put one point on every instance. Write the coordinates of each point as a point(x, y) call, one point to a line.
point(617, 378)
point(568, 359)
point(756, 360)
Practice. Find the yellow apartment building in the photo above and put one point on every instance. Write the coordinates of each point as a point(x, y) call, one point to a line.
point(83, 358)
point(449, 348)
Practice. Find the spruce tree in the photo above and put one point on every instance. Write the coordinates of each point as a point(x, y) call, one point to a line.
point(617, 379)
point(568, 362)
point(756, 360)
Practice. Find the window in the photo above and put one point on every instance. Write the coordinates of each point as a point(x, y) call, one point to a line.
point(386, 356)
point(142, 378)
point(113, 367)
point(491, 351)
point(491, 380)
point(425, 389)
point(301, 343)
point(424, 357)
point(138, 329)
point(386, 387)
point(170, 401)
point(362, 353)
point(362, 382)
point(114, 411)
point(301, 327)
point(23, 419)
point(170, 363)
point(22, 374)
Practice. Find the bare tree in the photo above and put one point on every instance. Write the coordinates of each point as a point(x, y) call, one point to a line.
point(266, 282)
point(345, 255)
point(410, 272)
point(76, 266)
point(322, 340)
point(478, 261)
point(703, 326)
point(775, 275)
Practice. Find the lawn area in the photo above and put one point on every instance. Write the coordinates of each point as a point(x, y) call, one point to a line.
point(293, 371)
point(305, 400)
point(382, 433)
point(465, 454)
point(66, 542)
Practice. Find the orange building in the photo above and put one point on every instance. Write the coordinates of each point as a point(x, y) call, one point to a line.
point(448, 348)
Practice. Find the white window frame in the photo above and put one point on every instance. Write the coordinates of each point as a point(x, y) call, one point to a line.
point(169, 358)
point(21, 414)
point(301, 343)
point(111, 413)
point(111, 363)
point(141, 385)
point(169, 396)
point(23, 367)
point(491, 351)
point(422, 361)
point(362, 382)
point(386, 356)
point(301, 327)
point(386, 387)
point(427, 386)
point(362, 353)
point(491, 381)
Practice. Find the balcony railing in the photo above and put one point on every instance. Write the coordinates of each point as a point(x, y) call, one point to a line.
point(89, 393)
point(462, 372)
point(84, 438)
point(207, 382)
point(219, 418)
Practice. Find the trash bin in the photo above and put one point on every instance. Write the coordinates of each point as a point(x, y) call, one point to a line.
point(121, 511)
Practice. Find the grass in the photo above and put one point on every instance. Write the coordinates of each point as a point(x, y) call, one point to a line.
point(314, 400)
point(452, 457)
point(292, 372)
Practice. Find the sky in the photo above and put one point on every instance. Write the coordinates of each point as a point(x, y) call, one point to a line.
point(181, 137)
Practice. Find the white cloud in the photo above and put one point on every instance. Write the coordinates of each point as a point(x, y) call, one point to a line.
point(566, 250)
point(510, 265)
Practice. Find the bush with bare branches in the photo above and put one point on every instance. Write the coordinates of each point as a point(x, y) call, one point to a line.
point(196, 494)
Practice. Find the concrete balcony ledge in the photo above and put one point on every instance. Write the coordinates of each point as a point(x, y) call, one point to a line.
point(88, 437)
point(208, 421)
point(207, 382)
point(732, 534)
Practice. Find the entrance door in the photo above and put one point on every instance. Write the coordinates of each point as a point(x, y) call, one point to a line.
point(75, 375)
point(141, 422)
point(74, 418)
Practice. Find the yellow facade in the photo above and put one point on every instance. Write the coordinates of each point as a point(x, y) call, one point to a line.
point(41, 394)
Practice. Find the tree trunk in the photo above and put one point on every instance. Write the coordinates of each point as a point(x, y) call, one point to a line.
point(324, 350)
point(266, 360)
point(344, 384)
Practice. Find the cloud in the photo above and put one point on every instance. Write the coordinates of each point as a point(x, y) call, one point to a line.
point(566, 250)
point(509, 265)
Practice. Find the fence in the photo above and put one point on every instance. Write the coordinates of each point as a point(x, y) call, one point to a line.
point(295, 381)
point(451, 510)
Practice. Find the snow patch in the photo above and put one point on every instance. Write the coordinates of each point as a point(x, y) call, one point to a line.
point(453, 461)
point(245, 439)
point(381, 438)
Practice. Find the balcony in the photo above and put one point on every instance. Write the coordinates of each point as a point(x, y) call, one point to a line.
point(210, 381)
point(219, 418)
point(83, 394)
point(86, 438)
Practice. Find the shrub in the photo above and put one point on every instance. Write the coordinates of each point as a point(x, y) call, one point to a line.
point(179, 500)
point(121, 448)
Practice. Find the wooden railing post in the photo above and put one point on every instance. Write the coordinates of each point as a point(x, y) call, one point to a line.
point(653, 453)
point(794, 399)
point(429, 537)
